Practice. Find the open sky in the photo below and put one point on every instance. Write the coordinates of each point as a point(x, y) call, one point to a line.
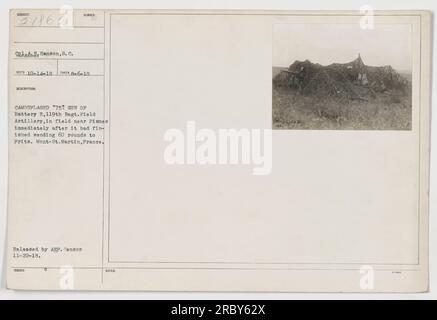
point(387, 44)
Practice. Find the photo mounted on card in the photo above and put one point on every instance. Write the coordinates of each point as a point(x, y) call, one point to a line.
point(280, 151)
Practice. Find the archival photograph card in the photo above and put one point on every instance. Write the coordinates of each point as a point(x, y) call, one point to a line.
point(255, 151)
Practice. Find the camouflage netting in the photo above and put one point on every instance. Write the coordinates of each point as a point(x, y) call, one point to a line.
point(352, 80)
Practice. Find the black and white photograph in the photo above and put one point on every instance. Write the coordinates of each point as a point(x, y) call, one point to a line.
point(220, 156)
point(342, 77)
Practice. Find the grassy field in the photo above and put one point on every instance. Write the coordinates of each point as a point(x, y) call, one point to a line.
point(386, 111)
